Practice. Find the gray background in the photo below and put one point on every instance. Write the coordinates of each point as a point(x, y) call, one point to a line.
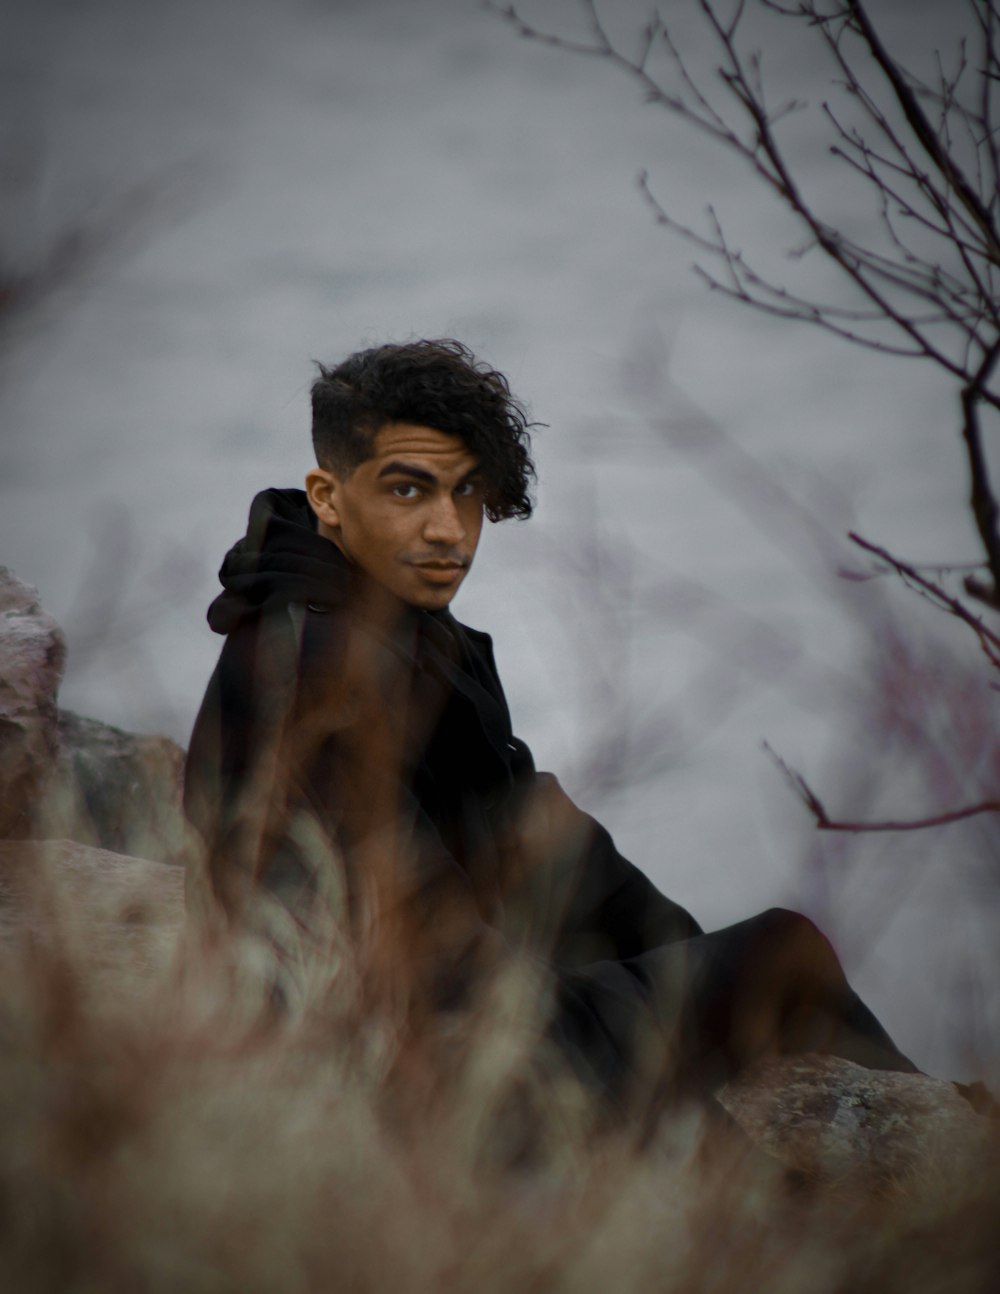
point(270, 181)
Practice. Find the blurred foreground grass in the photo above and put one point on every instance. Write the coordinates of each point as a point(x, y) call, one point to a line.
point(163, 1128)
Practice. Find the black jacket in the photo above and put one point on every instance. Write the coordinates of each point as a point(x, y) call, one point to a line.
point(322, 721)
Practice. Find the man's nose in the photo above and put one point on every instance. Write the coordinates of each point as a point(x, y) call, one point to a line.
point(443, 524)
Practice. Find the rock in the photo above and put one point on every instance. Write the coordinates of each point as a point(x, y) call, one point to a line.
point(65, 776)
point(859, 1128)
point(115, 790)
point(32, 655)
point(115, 918)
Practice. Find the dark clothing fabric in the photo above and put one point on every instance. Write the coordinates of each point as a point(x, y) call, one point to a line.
point(680, 1020)
point(287, 715)
point(335, 716)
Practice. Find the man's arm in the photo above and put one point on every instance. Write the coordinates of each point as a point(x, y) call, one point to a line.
point(569, 892)
point(572, 892)
point(234, 780)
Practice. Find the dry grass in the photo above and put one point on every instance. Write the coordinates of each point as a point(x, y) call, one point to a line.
point(163, 1129)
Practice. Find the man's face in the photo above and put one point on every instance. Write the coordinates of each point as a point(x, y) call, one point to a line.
point(410, 515)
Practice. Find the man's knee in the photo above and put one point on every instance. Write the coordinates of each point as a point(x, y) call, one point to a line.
point(783, 923)
point(794, 935)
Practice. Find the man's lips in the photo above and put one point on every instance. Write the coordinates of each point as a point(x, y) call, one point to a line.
point(441, 570)
point(442, 564)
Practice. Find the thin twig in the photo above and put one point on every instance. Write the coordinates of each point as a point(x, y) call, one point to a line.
point(982, 499)
point(923, 130)
point(988, 640)
point(825, 823)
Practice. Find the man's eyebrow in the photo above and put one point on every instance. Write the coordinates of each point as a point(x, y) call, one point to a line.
point(397, 468)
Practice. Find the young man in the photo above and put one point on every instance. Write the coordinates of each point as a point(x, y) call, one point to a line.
point(354, 754)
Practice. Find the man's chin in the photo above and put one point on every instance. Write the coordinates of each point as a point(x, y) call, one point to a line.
point(434, 588)
point(433, 599)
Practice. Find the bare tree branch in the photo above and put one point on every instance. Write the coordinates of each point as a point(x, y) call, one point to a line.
point(943, 161)
point(988, 640)
point(981, 498)
point(924, 285)
point(825, 823)
point(930, 155)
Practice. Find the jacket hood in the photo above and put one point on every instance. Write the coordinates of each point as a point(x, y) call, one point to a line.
point(281, 559)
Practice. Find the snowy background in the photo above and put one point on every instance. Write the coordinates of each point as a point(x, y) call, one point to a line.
point(272, 181)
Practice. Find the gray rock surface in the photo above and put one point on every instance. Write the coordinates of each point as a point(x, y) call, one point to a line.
point(860, 1128)
point(114, 917)
point(32, 656)
point(65, 776)
point(115, 790)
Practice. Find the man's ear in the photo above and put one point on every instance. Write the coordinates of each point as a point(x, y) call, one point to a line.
point(322, 492)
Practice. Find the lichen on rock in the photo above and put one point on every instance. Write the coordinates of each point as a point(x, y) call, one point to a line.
point(858, 1128)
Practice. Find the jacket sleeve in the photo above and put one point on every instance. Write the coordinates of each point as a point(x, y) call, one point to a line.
point(234, 777)
point(573, 895)
point(570, 893)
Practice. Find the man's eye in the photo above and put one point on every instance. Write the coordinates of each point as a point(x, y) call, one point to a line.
point(405, 490)
point(466, 489)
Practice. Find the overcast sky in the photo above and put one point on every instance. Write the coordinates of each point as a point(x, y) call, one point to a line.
point(266, 182)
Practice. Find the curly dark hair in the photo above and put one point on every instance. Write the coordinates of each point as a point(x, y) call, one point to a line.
point(437, 384)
